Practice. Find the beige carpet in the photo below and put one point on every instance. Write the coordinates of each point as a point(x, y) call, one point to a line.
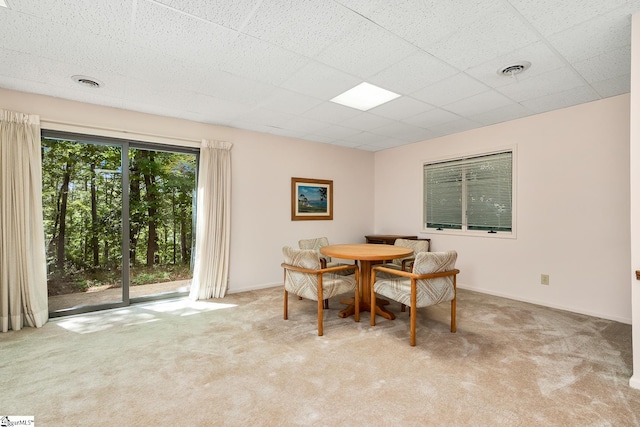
point(235, 362)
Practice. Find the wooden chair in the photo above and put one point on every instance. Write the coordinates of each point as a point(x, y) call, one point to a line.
point(432, 281)
point(406, 264)
point(316, 244)
point(305, 277)
point(325, 260)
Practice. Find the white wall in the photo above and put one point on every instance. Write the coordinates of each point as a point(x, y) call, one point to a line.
point(262, 167)
point(634, 161)
point(572, 208)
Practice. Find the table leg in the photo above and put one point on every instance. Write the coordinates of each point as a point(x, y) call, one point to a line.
point(365, 296)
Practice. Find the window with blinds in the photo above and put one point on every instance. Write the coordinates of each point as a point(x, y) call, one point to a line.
point(473, 193)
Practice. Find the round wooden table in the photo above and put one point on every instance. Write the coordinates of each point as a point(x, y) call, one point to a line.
point(366, 253)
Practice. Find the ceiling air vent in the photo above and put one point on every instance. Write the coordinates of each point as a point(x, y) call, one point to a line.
point(513, 69)
point(87, 81)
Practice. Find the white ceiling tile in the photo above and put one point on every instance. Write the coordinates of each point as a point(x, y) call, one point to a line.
point(614, 86)
point(291, 133)
point(319, 138)
point(80, 94)
point(265, 117)
point(389, 142)
point(148, 93)
point(401, 107)
point(432, 118)
point(423, 22)
point(304, 125)
point(476, 104)
point(214, 110)
point(286, 101)
point(320, 81)
point(256, 127)
point(107, 18)
point(43, 70)
point(228, 14)
point(564, 99)
point(331, 112)
point(349, 144)
point(151, 65)
point(366, 50)
point(366, 121)
point(552, 16)
point(303, 26)
point(502, 114)
point(366, 138)
point(544, 84)
point(180, 35)
point(259, 60)
point(450, 90)
point(402, 131)
point(456, 126)
point(42, 38)
point(413, 73)
point(542, 60)
point(368, 148)
point(594, 37)
point(227, 86)
point(611, 64)
point(501, 33)
point(336, 132)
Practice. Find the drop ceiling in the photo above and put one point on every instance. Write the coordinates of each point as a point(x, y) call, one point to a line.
point(273, 65)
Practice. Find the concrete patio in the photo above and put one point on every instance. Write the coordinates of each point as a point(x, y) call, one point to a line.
point(102, 296)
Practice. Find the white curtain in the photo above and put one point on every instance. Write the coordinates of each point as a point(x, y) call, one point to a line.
point(23, 277)
point(211, 266)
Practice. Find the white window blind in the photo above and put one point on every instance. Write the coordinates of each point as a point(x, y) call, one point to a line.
point(473, 193)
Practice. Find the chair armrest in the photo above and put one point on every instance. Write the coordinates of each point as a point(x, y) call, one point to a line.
point(411, 275)
point(320, 271)
point(407, 262)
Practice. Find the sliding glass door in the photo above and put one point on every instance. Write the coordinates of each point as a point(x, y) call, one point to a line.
point(119, 221)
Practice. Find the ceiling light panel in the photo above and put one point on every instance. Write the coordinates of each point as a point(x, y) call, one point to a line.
point(365, 96)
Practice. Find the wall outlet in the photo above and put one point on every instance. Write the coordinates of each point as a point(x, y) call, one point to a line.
point(544, 279)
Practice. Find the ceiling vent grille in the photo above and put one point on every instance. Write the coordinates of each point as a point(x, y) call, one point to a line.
point(513, 69)
point(87, 81)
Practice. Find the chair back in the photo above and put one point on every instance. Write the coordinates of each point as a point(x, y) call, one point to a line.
point(417, 246)
point(439, 289)
point(305, 258)
point(315, 244)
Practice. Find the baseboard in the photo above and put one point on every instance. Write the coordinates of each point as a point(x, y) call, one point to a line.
point(545, 304)
point(634, 381)
point(255, 288)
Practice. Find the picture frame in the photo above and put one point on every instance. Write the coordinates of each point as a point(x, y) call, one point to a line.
point(311, 199)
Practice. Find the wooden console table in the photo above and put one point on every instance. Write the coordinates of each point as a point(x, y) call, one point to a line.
point(387, 239)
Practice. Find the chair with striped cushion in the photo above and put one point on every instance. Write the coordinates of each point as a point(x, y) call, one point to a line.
point(432, 281)
point(406, 262)
point(304, 276)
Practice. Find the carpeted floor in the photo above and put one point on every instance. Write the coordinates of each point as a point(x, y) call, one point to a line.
point(235, 362)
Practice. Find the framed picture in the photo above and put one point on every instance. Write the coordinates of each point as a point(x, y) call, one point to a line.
point(311, 199)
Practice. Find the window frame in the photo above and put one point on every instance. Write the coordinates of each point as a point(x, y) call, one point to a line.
point(464, 231)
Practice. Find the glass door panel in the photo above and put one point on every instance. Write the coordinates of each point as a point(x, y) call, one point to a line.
point(82, 206)
point(161, 227)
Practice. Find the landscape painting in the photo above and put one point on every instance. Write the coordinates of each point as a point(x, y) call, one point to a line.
point(311, 199)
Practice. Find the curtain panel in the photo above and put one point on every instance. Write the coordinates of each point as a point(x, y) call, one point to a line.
point(23, 277)
point(213, 216)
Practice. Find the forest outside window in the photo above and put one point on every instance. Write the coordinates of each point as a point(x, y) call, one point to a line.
point(471, 194)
